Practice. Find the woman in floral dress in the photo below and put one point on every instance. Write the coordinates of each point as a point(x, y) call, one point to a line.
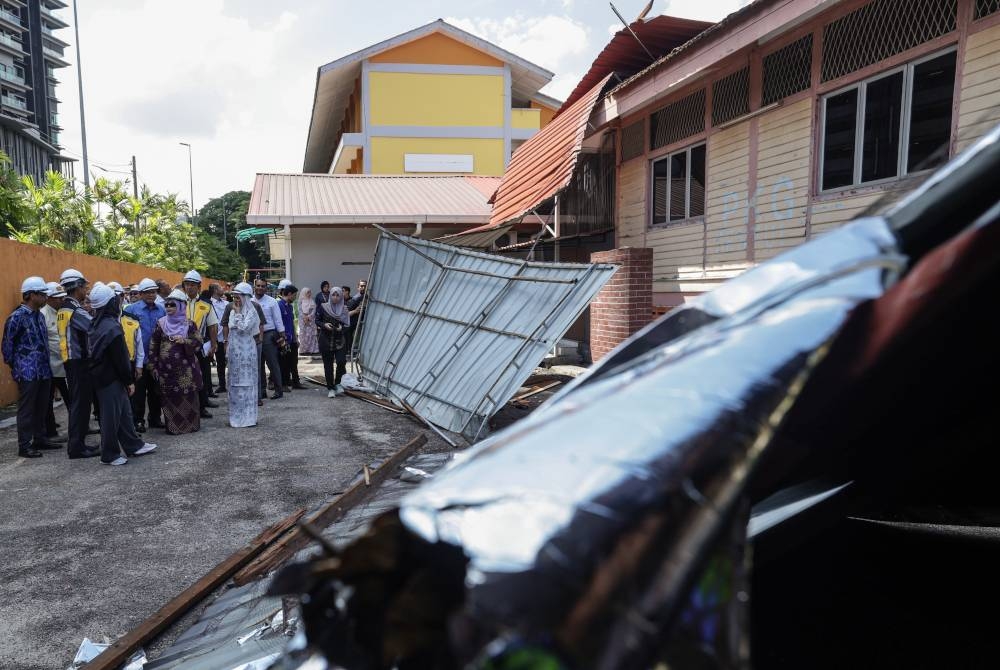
point(172, 354)
point(308, 344)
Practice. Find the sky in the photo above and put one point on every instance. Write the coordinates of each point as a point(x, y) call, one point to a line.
point(235, 78)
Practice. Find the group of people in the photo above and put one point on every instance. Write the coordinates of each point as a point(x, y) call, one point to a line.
point(147, 351)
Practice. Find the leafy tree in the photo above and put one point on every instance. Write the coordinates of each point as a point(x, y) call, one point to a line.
point(232, 208)
point(11, 200)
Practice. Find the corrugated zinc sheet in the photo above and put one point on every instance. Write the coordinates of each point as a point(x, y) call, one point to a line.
point(624, 56)
point(454, 333)
point(543, 165)
point(314, 198)
point(476, 239)
point(213, 641)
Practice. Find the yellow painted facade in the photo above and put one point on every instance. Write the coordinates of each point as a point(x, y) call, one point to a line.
point(436, 49)
point(388, 152)
point(545, 113)
point(417, 99)
point(525, 118)
point(414, 89)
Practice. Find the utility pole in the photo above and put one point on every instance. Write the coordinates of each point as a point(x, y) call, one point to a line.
point(135, 180)
point(79, 81)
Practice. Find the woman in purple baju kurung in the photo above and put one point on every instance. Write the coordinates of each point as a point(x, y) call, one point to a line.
point(172, 354)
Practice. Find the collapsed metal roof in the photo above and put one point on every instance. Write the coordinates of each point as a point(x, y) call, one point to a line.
point(594, 526)
point(454, 333)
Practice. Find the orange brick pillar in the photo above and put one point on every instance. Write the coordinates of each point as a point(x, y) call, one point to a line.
point(625, 304)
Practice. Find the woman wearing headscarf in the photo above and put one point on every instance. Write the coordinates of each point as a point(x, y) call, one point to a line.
point(307, 323)
point(332, 321)
point(241, 351)
point(175, 365)
point(324, 293)
point(113, 378)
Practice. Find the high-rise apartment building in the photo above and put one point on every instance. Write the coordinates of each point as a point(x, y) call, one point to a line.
point(30, 55)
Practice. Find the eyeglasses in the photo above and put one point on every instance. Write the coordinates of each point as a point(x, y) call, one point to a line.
point(170, 305)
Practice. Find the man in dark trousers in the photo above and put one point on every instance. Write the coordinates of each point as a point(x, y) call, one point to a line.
point(356, 306)
point(272, 340)
point(147, 312)
point(113, 376)
point(73, 322)
point(203, 315)
point(26, 351)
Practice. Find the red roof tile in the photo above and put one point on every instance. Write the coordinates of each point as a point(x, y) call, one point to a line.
point(624, 56)
point(543, 165)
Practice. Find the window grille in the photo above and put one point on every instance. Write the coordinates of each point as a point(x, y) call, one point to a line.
point(731, 97)
point(882, 29)
point(633, 140)
point(678, 120)
point(788, 70)
point(986, 7)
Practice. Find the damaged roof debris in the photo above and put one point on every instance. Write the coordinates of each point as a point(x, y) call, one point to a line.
point(471, 327)
point(607, 529)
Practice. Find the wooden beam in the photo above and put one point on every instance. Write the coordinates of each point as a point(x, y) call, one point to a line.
point(333, 511)
point(119, 652)
point(536, 390)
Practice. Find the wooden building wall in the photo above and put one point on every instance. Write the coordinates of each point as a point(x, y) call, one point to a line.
point(762, 196)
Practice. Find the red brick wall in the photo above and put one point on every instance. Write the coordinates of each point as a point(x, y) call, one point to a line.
point(625, 304)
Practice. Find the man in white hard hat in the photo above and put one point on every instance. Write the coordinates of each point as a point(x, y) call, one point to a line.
point(53, 303)
point(114, 376)
point(272, 341)
point(73, 322)
point(147, 312)
point(26, 350)
point(201, 313)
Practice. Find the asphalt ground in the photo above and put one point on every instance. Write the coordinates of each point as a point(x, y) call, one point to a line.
point(90, 551)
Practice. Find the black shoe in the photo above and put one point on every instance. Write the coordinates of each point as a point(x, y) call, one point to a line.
point(211, 404)
point(140, 427)
point(213, 394)
point(94, 431)
point(29, 453)
point(56, 437)
point(47, 445)
point(221, 389)
point(277, 396)
point(299, 387)
point(157, 424)
point(205, 414)
point(86, 453)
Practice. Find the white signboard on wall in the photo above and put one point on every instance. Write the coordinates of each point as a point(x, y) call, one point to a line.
point(437, 162)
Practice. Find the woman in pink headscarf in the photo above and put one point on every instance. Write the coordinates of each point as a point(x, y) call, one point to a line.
point(175, 366)
point(308, 344)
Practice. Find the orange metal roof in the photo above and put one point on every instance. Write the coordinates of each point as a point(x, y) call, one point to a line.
point(624, 56)
point(543, 165)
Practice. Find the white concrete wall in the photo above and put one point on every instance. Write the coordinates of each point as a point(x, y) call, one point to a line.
point(338, 255)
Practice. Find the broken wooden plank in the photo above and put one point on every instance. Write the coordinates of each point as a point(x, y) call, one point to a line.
point(427, 423)
point(333, 511)
point(374, 399)
point(535, 391)
point(120, 651)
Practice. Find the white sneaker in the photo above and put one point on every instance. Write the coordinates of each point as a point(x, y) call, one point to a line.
point(146, 448)
point(121, 460)
point(331, 394)
point(338, 389)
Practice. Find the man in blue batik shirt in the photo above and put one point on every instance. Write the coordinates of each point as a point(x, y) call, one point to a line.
point(26, 351)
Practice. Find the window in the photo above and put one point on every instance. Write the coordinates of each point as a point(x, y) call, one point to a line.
point(889, 125)
point(679, 186)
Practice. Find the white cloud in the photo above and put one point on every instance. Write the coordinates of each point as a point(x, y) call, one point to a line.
point(554, 42)
point(703, 10)
point(159, 73)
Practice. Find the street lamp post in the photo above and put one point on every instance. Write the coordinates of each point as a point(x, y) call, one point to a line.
point(190, 177)
point(79, 81)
